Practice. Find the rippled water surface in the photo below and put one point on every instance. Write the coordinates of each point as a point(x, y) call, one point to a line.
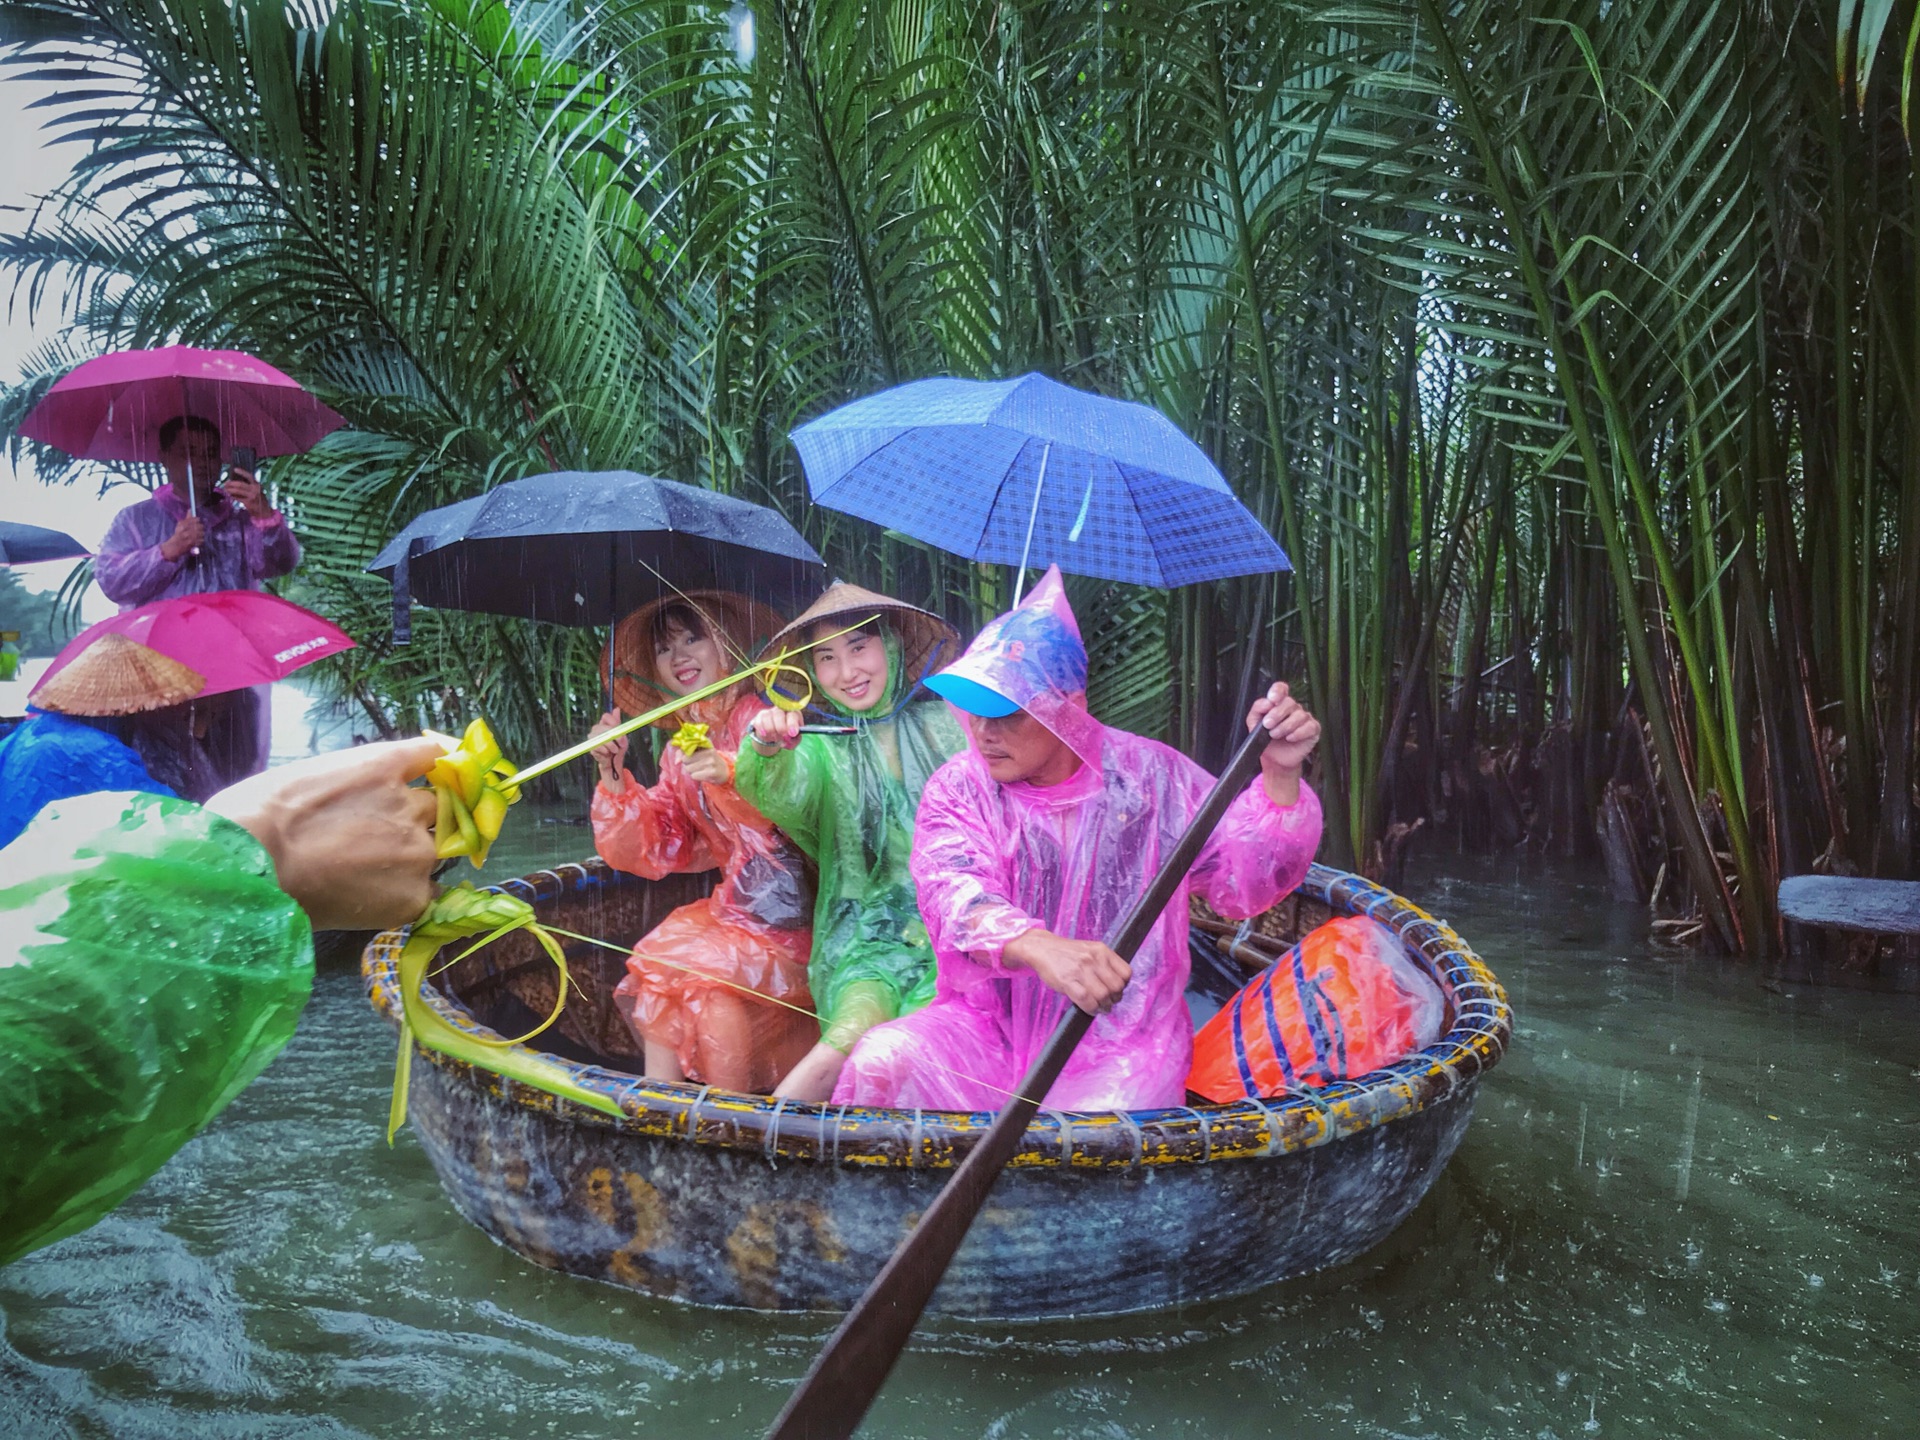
point(1689, 1205)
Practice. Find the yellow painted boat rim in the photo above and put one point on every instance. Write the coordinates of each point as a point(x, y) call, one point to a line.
point(855, 1137)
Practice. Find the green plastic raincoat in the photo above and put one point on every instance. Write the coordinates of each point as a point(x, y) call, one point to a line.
point(150, 967)
point(849, 802)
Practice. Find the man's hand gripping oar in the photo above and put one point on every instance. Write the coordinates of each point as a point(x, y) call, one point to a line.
point(848, 1373)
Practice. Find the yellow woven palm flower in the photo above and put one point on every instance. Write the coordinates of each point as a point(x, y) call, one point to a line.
point(690, 737)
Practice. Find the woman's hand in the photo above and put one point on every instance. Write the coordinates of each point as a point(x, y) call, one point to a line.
point(1292, 732)
point(775, 730)
point(351, 843)
point(612, 756)
point(709, 766)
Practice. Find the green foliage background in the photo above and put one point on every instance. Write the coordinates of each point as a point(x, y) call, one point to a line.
point(1569, 346)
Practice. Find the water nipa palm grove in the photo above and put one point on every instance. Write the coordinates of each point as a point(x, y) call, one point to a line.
point(902, 619)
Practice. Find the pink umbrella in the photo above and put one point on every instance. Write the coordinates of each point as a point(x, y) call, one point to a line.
point(234, 638)
point(112, 407)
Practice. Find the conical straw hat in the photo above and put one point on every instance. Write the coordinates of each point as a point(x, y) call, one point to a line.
point(743, 625)
point(118, 676)
point(921, 632)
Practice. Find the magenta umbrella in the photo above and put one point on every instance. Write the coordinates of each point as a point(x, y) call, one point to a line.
point(112, 407)
point(234, 638)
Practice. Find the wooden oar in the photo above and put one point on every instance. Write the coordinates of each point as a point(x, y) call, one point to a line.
point(1842, 902)
point(847, 1374)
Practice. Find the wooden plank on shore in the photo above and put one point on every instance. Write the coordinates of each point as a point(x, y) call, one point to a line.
point(1842, 902)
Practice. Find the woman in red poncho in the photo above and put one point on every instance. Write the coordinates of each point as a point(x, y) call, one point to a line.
point(694, 986)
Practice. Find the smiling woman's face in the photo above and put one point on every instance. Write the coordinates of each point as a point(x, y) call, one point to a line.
point(852, 669)
point(686, 662)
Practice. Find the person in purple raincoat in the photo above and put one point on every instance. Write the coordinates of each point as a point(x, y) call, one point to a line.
point(148, 555)
point(1029, 848)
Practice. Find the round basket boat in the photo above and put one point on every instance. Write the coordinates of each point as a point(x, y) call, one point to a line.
point(719, 1198)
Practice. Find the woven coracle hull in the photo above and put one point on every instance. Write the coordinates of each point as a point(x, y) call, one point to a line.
point(716, 1198)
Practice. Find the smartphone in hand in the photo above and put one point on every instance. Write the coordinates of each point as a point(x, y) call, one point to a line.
point(243, 457)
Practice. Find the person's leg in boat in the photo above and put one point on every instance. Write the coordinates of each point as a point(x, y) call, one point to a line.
point(662, 1061)
point(726, 1042)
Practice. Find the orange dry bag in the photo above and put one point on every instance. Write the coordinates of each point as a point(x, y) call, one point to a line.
point(1347, 999)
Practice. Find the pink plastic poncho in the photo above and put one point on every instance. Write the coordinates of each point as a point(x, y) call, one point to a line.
point(993, 861)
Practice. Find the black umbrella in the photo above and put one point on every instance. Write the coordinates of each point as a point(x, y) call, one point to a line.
point(580, 548)
point(24, 544)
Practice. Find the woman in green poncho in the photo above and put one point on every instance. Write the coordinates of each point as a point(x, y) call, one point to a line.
point(849, 802)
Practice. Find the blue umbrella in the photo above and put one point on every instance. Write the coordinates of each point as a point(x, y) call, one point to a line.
point(24, 544)
point(1031, 472)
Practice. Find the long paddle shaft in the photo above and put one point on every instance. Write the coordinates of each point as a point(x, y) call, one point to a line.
point(847, 1374)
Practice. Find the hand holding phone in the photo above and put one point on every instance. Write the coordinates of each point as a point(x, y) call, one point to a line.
point(242, 487)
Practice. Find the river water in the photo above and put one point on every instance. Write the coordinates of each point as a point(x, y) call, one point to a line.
point(1689, 1205)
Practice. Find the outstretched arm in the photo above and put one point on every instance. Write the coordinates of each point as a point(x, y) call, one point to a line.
point(1262, 847)
point(786, 779)
point(154, 958)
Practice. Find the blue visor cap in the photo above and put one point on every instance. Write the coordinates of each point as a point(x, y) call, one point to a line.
point(970, 696)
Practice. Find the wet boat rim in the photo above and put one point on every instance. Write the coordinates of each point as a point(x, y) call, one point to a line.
point(853, 1137)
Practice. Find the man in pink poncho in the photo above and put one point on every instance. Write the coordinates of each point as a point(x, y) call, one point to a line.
point(1031, 845)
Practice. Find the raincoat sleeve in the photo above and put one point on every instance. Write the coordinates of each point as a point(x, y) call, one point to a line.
point(1259, 852)
point(646, 832)
point(790, 787)
point(150, 967)
point(726, 801)
point(962, 872)
point(271, 548)
point(730, 805)
point(130, 567)
point(50, 759)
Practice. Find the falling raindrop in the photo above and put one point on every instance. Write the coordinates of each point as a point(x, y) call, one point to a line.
point(1685, 1163)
